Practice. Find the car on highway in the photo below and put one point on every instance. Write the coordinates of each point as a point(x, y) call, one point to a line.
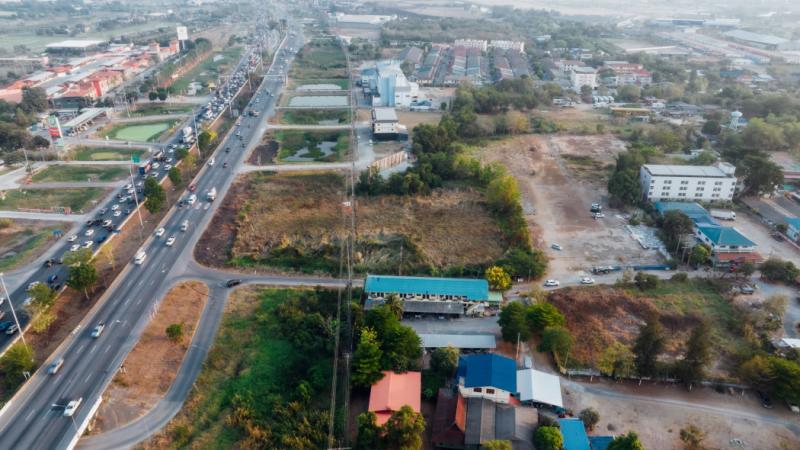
point(72, 406)
point(88, 244)
point(12, 329)
point(107, 223)
point(114, 207)
point(74, 248)
point(225, 165)
point(98, 329)
point(551, 283)
point(191, 200)
point(160, 232)
point(88, 232)
point(587, 280)
point(5, 325)
point(54, 366)
point(52, 278)
point(141, 255)
point(211, 161)
point(170, 241)
point(117, 213)
point(103, 211)
point(72, 238)
point(598, 215)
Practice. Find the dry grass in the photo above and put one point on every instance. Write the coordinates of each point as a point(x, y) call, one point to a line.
point(153, 363)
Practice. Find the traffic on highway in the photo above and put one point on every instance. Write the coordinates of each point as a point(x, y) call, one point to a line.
point(52, 409)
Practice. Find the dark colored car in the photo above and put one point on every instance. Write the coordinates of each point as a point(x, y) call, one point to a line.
point(4, 325)
point(766, 402)
point(101, 239)
point(232, 283)
point(48, 263)
point(52, 278)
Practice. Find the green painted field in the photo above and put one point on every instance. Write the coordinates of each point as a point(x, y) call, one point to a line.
point(80, 173)
point(105, 154)
point(139, 132)
point(75, 198)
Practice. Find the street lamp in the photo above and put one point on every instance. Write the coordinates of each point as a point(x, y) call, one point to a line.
point(13, 311)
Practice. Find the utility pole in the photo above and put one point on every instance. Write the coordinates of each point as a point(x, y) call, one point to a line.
point(13, 311)
point(136, 199)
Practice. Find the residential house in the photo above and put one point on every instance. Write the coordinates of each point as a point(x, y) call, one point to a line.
point(394, 391)
point(487, 375)
point(574, 433)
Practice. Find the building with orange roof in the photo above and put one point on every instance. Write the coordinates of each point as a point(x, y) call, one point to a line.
point(394, 391)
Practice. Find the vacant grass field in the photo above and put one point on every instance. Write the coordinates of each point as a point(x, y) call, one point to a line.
point(105, 154)
point(296, 145)
point(209, 69)
point(80, 173)
point(157, 109)
point(315, 117)
point(319, 59)
point(295, 222)
point(74, 198)
point(22, 240)
point(139, 132)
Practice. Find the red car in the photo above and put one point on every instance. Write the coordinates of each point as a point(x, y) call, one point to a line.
point(192, 188)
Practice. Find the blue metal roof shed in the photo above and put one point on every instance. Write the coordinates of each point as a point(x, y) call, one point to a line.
point(488, 369)
point(574, 434)
point(471, 289)
point(693, 210)
point(726, 236)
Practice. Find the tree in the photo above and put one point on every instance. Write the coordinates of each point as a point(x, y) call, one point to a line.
point(42, 297)
point(18, 358)
point(155, 195)
point(628, 441)
point(175, 176)
point(82, 273)
point(699, 255)
point(548, 438)
point(152, 96)
point(369, 433)
point(404, 430)
point(34, 100)
point(649, 344)
point(590, 418)
point(758, 134)
point(556, 339)
point(674, 226)
point(586, 93)
point(785, 375)
point(444, 360)
point(496, 445)
point(629, 93)
point(400, 344)
point(367, 359)
point(395, 305)
point(692, 437)
point(617, 360)
point(776, 269)
point(162, 94)
point(205, 139)
point(624, 187)
point(502, 194)
point(711, 127)
point(498, 279)
point(692, 368)
point(514, 323)
point(175, 332)
point(761, 176)
point(646, 281)
point(542, 314)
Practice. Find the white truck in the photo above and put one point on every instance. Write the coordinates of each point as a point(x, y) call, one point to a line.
point(188, 135)
point(212, 194)
point(723, 214)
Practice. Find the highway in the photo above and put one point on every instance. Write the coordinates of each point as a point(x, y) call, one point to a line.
point(34, 419)
point(55, 275)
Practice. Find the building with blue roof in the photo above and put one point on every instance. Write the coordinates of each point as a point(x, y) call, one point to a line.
point(694, 211)
point(487, 375)
point(574, 434)
point(427, 288)
point(724, 239)
point(793, 228)
point(600, 442)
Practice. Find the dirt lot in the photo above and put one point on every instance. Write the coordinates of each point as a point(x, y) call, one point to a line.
point(657, 413)
point(294, 221)
point(264, 154)
point(557, 201)
point(152, 365)
point(413, 118)
point(22, 241)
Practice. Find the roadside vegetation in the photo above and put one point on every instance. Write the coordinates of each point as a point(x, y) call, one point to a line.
point(22, 241)
point(315, 117)
point(157, 109)
point(75, 198)
point(105, 154)
point(322, 58)
point(316, 146)
point(64, 173)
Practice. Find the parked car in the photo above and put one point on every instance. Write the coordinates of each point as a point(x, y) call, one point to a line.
point(551, 283)
point(587, 280)
point(766, 402)
point(746, 289)
point(556, 247)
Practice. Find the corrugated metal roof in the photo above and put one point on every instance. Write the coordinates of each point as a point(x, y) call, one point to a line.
point(727, 236)
point(574, 434)
point(756, 37)
point(421, 306)
point(472, 289)
point(668, 170)
point(539, 387)
point(488, 369)
point(385, 114)
point(469, 341)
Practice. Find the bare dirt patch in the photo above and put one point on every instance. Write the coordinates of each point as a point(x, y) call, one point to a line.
point(22, 241)
point(556, 203)
point(264, 154)
point(153, 363)
point(296, 221)
point(413, 118)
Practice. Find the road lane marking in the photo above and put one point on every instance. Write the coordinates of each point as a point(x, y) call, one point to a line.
point(81, 347)
point(94, 347)
point(28, 417)
point(107, 348)
point(87, 378)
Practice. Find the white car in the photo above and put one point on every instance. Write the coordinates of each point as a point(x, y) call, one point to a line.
point(114, 207)
point(587, 280)
point(160, 232)
point(74, 248)
point(211, 161)
point(551, 283)
point(170, 241)
point(88, 232)
point(88, 244)
point(117, 213)
point(168, 167)
point(556, 247)
point(72, 406)
point(598, 215)
point(72, 238)
point(98, 330)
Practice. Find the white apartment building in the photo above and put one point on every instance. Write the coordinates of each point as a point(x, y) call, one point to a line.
point(583, 76)
point(688, 183)
point(480, 44)
point(508, 45)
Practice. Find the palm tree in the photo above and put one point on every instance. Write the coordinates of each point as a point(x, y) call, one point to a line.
point(395, 305)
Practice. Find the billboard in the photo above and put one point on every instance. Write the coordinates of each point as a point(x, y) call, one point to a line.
point(54, 127)
point(183, 33)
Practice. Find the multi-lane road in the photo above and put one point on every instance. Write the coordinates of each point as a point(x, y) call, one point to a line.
point(34, 419)
point(115, 210)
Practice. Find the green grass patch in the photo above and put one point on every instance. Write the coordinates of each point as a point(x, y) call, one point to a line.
point(158, 109)
point(307, 145)
point(343, 83)
point(105, 154)
point(139, 132)
point(35, 240)
point(80, 173)
point(315, 117)
point(74, 198)
point(253, 375)
point(320, 59)
point(209, 70)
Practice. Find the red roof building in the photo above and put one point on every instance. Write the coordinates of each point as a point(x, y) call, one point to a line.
point(394, 391)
